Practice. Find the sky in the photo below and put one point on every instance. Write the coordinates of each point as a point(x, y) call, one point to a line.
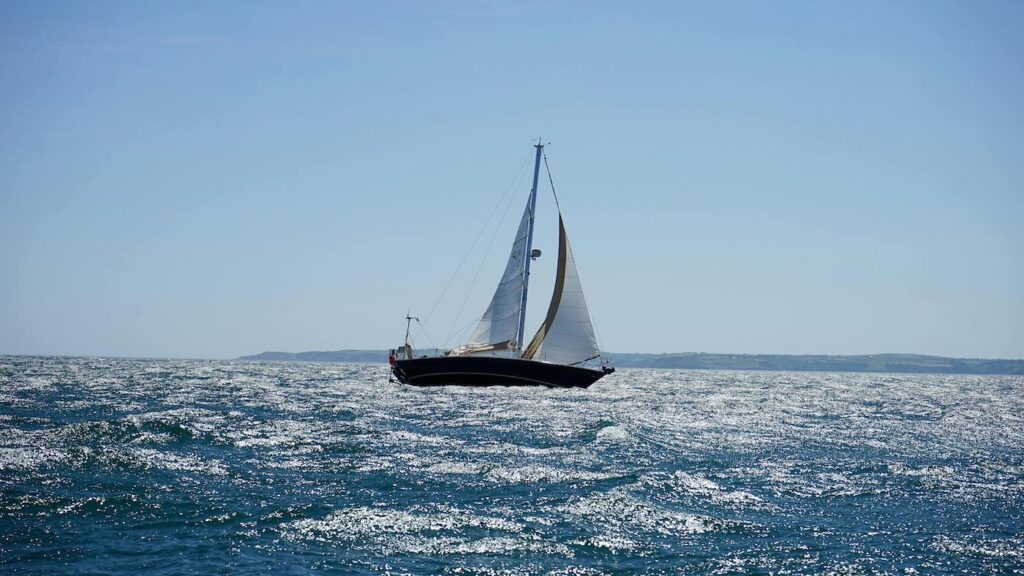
point(213, 179)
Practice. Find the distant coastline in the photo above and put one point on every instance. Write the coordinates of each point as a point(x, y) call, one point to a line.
point(897, 363)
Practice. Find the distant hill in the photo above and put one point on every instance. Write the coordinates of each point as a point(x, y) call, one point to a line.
point(376, 356)
point(866, 363)
point(907, 363)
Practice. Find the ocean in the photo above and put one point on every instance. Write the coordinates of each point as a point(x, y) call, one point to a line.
point(121, 466)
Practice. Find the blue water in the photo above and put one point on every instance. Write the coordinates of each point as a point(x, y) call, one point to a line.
point(114, 466)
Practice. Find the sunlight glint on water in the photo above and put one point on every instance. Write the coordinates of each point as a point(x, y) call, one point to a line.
point(152, 466)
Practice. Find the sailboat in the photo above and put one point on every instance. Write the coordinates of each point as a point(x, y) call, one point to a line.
point(563, 353)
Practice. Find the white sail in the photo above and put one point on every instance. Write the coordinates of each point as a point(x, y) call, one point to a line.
point(567, 334)
point(499, 325)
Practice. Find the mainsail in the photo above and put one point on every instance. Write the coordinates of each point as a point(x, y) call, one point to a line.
point(499, 325)
point(567, 335)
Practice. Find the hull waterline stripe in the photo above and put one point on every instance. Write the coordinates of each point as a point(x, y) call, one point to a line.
point(491, 374)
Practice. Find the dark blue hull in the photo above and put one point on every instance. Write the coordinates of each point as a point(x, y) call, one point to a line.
point(492, 371)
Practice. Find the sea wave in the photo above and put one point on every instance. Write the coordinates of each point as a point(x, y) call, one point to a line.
point(166, 466)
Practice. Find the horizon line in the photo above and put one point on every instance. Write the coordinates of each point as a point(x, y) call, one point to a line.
point(384, 351)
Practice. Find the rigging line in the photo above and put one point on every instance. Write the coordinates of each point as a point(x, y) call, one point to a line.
point(518, 176)
point(423, 329)
point(480, 268)
point(462, 330)
point(551, 181)
point(476, 276)
point(585, 360)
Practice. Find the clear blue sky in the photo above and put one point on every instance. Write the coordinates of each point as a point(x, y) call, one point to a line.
point(210, 179)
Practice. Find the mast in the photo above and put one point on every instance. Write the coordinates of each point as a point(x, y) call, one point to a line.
point(408, 324)
point(529, 245)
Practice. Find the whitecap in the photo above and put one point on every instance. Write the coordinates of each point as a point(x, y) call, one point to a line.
point(620, 511)
point(150, 458)
point(536, 473)
point(614, 434)
point(362, 522)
